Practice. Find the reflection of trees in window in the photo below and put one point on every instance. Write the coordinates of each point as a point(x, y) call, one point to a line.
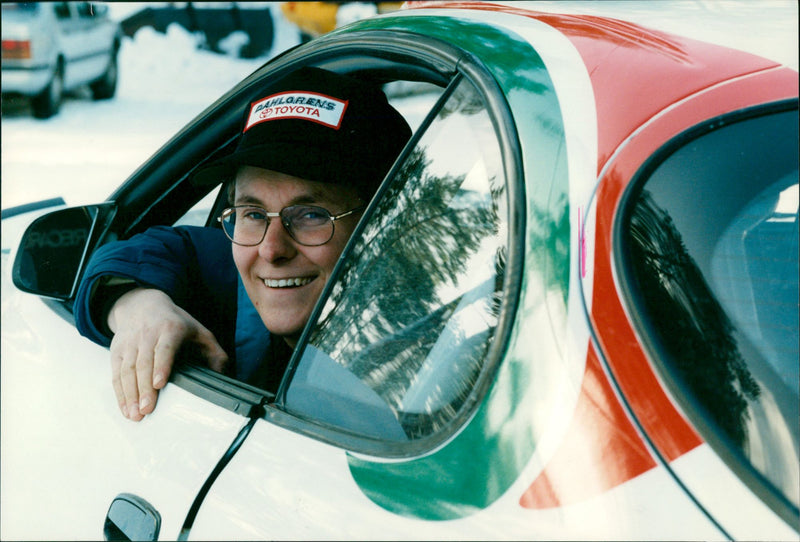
point(694, 330)
point(389, 307)
point(495, 47)
point(392, 304)
point(416, 303)
point(548, 232)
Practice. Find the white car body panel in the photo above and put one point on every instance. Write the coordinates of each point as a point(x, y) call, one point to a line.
point(164, 459)
point(725, 495)
point(283, 485)
point(86, 46)
point(300, 488)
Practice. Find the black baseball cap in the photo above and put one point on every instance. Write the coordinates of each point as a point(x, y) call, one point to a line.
point(320, 126)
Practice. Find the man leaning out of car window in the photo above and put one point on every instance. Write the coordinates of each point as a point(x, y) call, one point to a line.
point(314, 147)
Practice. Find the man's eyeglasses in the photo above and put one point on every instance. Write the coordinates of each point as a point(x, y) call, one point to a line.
point(311, 226)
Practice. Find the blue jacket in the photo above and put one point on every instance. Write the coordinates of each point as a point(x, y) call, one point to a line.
point(194, 266)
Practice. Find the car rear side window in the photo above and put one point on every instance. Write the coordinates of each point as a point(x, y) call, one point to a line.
point(710, 240)
point(401, 343)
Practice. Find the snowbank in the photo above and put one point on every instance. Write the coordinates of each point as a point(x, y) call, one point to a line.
point(90, 148)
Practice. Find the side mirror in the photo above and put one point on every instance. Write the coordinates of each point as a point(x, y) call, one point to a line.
point(54, 249)
point(131, 518)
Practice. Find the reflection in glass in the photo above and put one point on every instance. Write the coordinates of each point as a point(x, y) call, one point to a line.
point(696, 332)
point(713, 247)
point(754, 271)
point(413, 313)
point(51, 252)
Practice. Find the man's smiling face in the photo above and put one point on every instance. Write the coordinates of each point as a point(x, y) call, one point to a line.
point(283, 278)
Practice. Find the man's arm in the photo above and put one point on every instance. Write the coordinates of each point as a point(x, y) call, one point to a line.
point(149, 296)
point(192, 265)
point(149, 329)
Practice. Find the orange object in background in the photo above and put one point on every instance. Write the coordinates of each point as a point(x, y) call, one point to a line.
point(312, 18)
point(317, 18)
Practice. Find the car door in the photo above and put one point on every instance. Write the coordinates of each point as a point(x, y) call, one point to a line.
point(433, 367)
point(70, 42)
point(96, 40)
point(407, 339)
point(71, 467)
point(85, 42)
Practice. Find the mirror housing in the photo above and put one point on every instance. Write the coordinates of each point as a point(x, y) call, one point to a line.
point(54, 249)
point(130, 517)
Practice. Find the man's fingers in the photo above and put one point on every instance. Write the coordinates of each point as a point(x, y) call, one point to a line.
point(216, 357)
point(116, 382)
point(130, 388)
point(164, 357)
point(144, 381)
point(149, 331)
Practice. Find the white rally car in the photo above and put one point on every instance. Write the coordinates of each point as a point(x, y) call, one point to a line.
point(571, 311)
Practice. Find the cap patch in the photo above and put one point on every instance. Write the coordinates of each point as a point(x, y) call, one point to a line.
point(298, 105)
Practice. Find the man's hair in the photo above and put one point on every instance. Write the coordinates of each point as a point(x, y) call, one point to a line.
point(230, 190)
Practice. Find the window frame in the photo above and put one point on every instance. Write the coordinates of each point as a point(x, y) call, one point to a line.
point(457, 64)
point(162, 190)
point(632, 298)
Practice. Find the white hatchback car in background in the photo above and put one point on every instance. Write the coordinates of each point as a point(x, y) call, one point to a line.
point(53, 47)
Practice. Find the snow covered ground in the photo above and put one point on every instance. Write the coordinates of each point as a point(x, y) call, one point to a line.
point(90, 148)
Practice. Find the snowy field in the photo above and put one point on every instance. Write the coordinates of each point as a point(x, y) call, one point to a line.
point(90, 148)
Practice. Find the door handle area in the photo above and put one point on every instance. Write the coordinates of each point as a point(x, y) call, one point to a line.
point(131, 518)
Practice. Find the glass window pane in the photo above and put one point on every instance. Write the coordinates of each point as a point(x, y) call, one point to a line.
point(402, 339)
point(200, 211)
point(713, 239)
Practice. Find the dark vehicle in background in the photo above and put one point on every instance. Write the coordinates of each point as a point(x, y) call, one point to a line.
point(50, 48)
point(215, 21)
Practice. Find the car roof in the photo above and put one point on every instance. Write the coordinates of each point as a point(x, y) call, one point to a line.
point(768, 28)
point(636, 71)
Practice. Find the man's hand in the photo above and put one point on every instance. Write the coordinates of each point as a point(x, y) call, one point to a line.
point(149, 329)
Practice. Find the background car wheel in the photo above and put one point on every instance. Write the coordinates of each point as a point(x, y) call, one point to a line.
point(105, 87)
point(48, 102)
